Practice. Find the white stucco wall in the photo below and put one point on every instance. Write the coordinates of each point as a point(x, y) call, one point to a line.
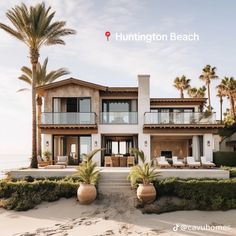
point(96, 143)
point(208, 146)
point(46, 138)
point(143, 106)
point(217, 140)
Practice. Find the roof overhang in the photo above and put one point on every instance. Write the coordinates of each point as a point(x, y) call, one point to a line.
point(182, 128)
point(68, 129)
point(177, 101)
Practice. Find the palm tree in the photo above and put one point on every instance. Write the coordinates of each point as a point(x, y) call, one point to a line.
point(220, 94)
point(197, 93)
point(42, 78)
point(208, 74)
point(228, 87)
point(181, 83)
point(34, 27)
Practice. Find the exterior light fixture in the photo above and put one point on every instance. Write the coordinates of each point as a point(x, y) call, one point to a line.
point(208, 143)
point(95, 144)
point(145, 143)
point(47, 144)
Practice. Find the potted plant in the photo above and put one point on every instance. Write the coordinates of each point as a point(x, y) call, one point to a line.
point(143, 174)
point(47, 155)
point(88, 177)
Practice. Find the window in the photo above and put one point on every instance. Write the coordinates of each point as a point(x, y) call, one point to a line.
point(114, 147)
point(119, 105)
point(73, 104)
point(84, 105)
point(122, 147)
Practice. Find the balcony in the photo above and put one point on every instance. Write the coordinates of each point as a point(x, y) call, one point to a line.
point(68, 118)
point(119, 118)
point(179, 118)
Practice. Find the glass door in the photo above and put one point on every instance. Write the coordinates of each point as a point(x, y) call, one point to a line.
point(84, 146)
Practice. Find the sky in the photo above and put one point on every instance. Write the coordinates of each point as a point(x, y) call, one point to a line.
point(89, 56)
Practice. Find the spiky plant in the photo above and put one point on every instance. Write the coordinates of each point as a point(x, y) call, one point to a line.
point(143, 173)
point(86, 171)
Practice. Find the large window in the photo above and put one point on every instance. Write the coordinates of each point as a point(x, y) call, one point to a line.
point(118, 147)
point(119, 105)
point(72, 146)
point(119, 111)
point(73, 104)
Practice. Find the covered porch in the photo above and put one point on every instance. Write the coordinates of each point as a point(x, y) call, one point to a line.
point(177, 145)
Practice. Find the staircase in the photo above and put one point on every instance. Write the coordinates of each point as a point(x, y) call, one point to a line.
point(114, 180)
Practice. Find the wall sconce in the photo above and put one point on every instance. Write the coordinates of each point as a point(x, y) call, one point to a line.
point(145, 143)
point(95, 144)
point(208, 143)
point(47, 144)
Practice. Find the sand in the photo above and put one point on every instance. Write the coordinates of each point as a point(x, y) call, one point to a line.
point(114, 216)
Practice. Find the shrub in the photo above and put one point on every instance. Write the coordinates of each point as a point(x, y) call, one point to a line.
point(232, 171)
point(208, 194)
point(224, 158)
point(23, 195)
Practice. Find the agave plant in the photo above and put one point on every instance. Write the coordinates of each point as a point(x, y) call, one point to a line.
point(143, 173)
point(86, 171)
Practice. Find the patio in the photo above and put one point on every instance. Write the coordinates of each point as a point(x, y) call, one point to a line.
point(164, 173)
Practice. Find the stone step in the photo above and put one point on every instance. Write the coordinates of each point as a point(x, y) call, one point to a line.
point(116, 176)
point(113, 181)
point(125, 190)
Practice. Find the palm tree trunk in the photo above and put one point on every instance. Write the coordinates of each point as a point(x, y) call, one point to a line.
point(232, 107)
point(209, 96)
point(39, 116)
point(221, 109)
point(181, 93)
point(34, 55)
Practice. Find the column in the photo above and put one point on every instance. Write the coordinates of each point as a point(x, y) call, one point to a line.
point(196, 148)
point(208, 146)
point(47, 142)
point(143, 106)
point(144, 144)
point(96, 144)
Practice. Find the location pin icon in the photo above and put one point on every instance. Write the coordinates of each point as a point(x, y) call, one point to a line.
point(107, 34)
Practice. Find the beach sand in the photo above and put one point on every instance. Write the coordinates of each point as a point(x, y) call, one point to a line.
point(108, 217)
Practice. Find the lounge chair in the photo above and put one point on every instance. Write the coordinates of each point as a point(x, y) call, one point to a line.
point(130, 161)
point(62, 160)
point(108, 161)
point(162, 162)
point(177, 163)
point(207, 164)
point(42, 162)
point(192, 163)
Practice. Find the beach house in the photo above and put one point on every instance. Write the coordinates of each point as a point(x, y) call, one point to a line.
point(78, 116)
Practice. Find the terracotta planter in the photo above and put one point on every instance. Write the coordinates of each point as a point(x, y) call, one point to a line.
point(146, 193)
point(86, 193)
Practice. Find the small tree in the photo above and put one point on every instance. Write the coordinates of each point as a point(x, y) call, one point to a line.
point(142, 173)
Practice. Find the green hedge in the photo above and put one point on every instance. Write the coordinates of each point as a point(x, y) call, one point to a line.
point(224, 158)
point(206, 194)
point(23, 195)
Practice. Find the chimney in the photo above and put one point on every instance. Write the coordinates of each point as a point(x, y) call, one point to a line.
point(143, 95)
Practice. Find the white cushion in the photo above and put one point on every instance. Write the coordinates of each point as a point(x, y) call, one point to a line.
point(44, 159)
point(62, 159)
point(39, 159)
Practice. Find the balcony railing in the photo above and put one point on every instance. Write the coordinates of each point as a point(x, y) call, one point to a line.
point(119, 117)
point(64, 118)
point(179, 118)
